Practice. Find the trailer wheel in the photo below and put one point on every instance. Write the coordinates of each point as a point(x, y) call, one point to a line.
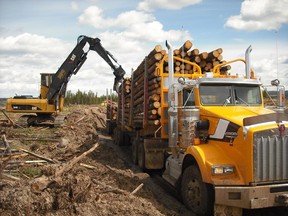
point(119, 137)
point(196, 195)
point(141, 154)
point(115, 136)
point(109, 128)
point(134, 150)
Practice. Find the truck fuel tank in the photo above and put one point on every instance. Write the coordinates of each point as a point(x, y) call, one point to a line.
point(190, 117)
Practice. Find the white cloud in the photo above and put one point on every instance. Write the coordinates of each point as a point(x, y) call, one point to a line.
point(150, 5)
point(74, 6)
point(135, 25)
point(273, 69)
point(133, 17)
point(153, 32)
point(31, 43)
point(265, 64)
point(260, 15)
point(24, 57)
point(134, 34)
point(93, 16)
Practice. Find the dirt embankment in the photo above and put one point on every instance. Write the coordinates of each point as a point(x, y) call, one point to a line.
point(105, 182)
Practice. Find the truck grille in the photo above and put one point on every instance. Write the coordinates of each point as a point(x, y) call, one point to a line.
point(270, 157)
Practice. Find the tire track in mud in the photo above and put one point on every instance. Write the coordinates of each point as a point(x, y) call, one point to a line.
point(152, 181)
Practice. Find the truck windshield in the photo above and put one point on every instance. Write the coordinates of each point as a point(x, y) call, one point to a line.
point(230, 95)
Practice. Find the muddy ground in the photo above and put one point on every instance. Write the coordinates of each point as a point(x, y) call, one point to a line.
point(105, 182)
point(102, 183)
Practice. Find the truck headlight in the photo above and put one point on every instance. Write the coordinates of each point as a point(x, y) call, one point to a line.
point(223, 169)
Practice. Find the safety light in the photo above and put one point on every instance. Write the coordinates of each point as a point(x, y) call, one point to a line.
point(223, 169)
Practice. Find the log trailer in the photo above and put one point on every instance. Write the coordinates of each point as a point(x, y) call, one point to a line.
point(45, 109)
point(208, 131)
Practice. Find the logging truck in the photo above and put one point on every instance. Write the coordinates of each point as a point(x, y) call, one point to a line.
point(206, 129)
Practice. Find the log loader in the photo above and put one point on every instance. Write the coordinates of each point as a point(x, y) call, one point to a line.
point(45, 109)
point(215, 141)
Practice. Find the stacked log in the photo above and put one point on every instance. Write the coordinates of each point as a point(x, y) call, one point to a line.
point(111, 110)
point(127, 100)
point(146, 105)
point(124, 107)
point(127, 86)
point(206, 60)
point(120, 110)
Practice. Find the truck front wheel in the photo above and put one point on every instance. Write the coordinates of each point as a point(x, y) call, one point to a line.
point(196, 195)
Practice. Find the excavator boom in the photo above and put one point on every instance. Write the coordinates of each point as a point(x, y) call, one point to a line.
point(74, 62)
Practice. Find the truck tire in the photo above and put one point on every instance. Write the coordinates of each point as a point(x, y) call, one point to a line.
point(115, 136)
point(141, 154)
point(119, 137)
point(134, 151)
point(109, 129)
point(196, 195)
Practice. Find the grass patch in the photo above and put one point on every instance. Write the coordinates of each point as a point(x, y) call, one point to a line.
point(32, 172)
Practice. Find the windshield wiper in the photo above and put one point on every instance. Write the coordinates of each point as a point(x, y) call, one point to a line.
point(242, 101)
point(227, 101)
point(237, 99)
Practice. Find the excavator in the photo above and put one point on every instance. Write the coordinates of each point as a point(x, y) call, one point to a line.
point(46, 108)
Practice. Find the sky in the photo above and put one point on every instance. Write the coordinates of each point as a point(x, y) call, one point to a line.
point(36, 36)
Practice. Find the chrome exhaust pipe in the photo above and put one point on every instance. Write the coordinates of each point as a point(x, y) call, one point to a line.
point(247, 59)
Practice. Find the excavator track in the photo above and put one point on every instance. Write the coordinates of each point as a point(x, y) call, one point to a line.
point(41, 120)
point(23, 121)
point(59, 120)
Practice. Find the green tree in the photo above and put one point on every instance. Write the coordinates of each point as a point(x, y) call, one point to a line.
point(86, 98)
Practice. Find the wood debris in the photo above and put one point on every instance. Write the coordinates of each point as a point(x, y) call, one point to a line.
point(41, 183)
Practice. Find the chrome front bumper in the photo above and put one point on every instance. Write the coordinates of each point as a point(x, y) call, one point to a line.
point(252, 197)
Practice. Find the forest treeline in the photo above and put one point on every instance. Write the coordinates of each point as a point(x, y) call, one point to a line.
point(87, 98)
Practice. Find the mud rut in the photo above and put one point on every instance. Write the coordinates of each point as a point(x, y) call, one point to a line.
point(102, 183)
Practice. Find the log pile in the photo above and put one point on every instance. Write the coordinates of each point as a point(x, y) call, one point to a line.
point(142, 92)
point(111, 110)
point(149, 82)
point(206, 60)
point(124, 109)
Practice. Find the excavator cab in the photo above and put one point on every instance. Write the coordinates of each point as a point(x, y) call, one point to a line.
point(46, 80)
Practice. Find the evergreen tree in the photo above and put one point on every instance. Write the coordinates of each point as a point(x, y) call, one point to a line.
point(86, 98)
